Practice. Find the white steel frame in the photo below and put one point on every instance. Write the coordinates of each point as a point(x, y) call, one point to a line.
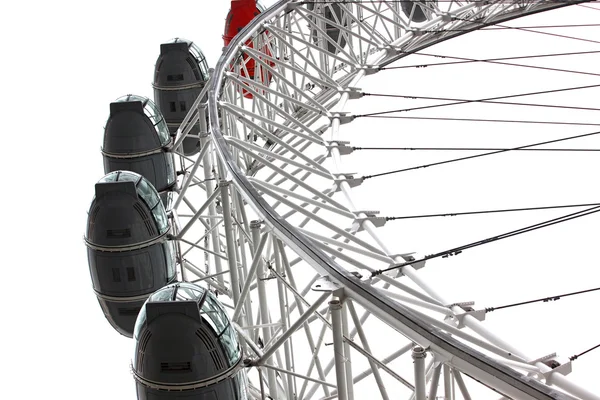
point(266, 217)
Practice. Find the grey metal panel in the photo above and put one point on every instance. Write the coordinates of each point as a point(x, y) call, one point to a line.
point(230, 389)
point(119, 217)
point(125, 265)
point(132, 143)
point(128, 130)
point(177, 346)
point(121, 314)
point(122, 279)
point(131, 273)
point(178, 81)
point(157, 168)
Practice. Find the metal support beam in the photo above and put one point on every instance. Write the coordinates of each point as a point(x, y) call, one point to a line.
point(229, 237)
point(335, 306)
point(308, 378)
point(348, 358)
point(262, 302)
point(461, 384)
point(365, 344)
point(293, 328)
point(197, 214)
point(418, 355)
point(246, 288)
point(435, 381)
point(189, 177)
point(447, 383)
point(284, 312)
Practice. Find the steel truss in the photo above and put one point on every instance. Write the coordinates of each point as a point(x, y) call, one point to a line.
point(265, 216)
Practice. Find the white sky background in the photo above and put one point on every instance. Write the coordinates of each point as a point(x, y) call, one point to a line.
point(64, 62)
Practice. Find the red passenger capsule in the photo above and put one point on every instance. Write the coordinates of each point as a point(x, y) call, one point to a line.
point(240, 14)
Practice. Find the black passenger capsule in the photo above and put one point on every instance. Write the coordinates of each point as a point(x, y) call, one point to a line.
point(416, 10)
point(129, 255)
point(180, 73)
point(337, 15)
point(136, 138)
point(185, 347)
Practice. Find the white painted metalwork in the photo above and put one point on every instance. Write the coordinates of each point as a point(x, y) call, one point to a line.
point(282, 215)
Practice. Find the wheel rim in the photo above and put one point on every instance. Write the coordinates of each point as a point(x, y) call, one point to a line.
point(225, 107)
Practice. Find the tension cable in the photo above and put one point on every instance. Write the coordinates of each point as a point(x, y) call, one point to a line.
point(542, 300)
point(478, 155)
point(460, 249)
point(492, 211)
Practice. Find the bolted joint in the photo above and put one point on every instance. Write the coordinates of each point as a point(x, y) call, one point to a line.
point(369, 215)
point(256, 224)
point(335, 305)
point(340, 145)
point(369, 70)
point(446, 17)
point(417, 32)
point(342, 116)
point(348, 178)
point(325, 284)
point(458, 320)
point(418, 352)
point(353, 93)
point(559, 366)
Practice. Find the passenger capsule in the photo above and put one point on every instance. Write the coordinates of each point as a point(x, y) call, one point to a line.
point(136, 138)
point(129, 255)
point(240, 14)
point(416, 11)
point(180, 74)
point(337, 15)
point(186, 347)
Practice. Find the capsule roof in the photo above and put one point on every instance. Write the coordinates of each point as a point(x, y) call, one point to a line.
point(198, 63)
point(135, 125)
point(210, 310)
point(117, 198)
point(240, 14)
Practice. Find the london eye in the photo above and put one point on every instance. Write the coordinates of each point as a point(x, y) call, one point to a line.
point(270, 228)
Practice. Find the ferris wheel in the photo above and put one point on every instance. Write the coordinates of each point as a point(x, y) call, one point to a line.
point(301, 289)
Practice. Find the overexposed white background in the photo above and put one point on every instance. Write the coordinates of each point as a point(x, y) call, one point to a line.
point(63, 63)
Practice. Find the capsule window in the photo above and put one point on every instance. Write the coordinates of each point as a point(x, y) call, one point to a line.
point(172, 107)
point(193, 65)
point(170, 168)
point(182, 106)
point(130, 274)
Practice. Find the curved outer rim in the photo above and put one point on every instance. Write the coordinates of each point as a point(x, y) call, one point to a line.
point(466, 359)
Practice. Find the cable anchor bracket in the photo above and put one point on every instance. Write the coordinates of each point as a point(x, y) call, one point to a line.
point(346, 177)
point(343, 116)
point(325, 284)
point(367, 215)
point(340, 145)
point(354, 93)
point(559, 365)
point(458, 320)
